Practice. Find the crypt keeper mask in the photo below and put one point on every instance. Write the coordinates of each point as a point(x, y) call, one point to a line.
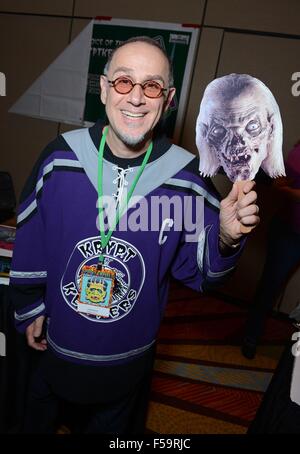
point(239, 128)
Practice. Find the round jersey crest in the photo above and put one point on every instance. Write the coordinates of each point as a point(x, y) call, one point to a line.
point(121, 257)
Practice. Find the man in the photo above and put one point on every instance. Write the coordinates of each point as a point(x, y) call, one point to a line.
point(104, 292)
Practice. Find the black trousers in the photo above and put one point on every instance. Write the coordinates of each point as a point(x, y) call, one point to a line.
point(277, 414)
point(283, 257)
point(89, 399)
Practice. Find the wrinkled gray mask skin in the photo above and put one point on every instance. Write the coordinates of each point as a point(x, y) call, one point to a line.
point(239, 140)
point(239, 128)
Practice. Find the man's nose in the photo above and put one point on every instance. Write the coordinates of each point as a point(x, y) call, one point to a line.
point(136, 96)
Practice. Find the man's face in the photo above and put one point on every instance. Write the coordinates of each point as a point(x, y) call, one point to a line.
point(133, 116)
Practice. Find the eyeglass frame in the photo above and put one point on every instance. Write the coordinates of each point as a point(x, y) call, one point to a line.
point(112, 84)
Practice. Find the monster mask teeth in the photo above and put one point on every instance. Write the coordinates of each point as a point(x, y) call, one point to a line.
point(238, 159)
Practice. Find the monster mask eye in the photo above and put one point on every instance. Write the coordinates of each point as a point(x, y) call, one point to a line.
point(218, 133)
point(254, 128)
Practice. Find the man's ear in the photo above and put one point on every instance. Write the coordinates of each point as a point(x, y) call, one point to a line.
point(104, 88)
point(169, 98)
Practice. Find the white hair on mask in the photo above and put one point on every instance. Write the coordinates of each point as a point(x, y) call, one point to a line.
point(239, 127)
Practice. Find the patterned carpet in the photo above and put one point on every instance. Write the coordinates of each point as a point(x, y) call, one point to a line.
point(201, 383)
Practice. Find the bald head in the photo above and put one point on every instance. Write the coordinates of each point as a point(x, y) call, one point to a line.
point(147, 41)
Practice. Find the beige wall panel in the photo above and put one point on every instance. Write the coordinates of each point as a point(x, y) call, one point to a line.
point(259, 56)
point(273, 60)
point(77, 26)
point(263, 15)
point(27, 47)
point(62, 7)
point(204, 72)
point(156, 10)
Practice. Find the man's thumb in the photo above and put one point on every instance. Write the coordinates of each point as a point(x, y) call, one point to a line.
point(233, 194)
point(38, 324)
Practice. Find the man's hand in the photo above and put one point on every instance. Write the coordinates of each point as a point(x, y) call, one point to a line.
point(33, 332)
point(237, 211)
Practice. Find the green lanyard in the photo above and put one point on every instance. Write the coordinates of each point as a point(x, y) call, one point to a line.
point(105, 238)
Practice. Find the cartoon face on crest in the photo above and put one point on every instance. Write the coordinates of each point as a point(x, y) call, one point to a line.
point(96, 291)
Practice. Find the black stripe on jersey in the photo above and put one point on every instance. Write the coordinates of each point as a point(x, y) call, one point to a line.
point(193, 167)
point(57, 168)
point(40, 191)
point(25, 295)
point(19, 224)
point(58, 144)
point(173, 187)
point(211, 284)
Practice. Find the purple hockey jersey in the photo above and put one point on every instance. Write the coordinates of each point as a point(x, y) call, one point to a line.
point(171, 227)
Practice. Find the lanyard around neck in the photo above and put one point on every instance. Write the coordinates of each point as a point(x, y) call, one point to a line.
point(106, 237)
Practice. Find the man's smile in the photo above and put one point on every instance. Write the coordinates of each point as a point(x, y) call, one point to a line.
point(129, 114)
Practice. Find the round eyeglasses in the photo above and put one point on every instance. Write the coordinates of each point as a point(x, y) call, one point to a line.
point(150, 88)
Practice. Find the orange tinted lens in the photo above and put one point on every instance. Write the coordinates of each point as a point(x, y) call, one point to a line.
point(123, 85)
point(152, 89)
